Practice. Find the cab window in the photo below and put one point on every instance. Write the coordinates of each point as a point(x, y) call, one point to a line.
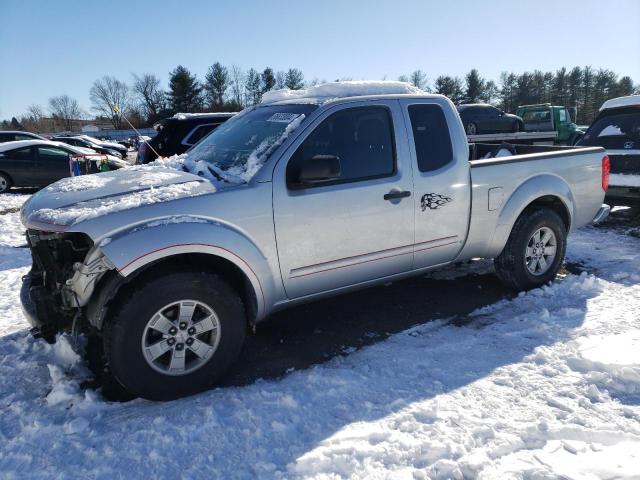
point(431, 137)
point(362, 140)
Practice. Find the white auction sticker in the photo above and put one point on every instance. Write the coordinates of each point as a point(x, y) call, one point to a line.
point(283, 117)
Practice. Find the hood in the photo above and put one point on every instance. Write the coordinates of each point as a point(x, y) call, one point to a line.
point(77, 199)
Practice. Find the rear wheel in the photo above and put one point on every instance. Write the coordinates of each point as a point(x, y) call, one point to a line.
point(534, 251)
point(175, 335)
point(5, 183)
point(472, 128)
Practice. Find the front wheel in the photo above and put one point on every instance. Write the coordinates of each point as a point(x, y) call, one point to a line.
point(174, 335)
point(534, 251)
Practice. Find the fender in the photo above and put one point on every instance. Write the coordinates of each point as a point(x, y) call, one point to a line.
point(132, 249)
point(525, 194)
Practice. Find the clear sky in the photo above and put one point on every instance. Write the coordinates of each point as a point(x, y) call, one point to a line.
point(50, 48)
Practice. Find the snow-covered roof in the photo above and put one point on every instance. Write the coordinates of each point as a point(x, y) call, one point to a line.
point(328, 91)
point(631, 100)
point(184, 116)
point(23, 143)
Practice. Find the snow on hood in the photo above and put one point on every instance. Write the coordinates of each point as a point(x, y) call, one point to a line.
point(76, 199)
point(331, 90)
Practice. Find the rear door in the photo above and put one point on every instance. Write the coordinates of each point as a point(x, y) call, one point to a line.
point(52, 164)
point(350, 230)
point(441, 181)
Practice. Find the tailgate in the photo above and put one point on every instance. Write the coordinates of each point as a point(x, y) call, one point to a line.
point(627, 163)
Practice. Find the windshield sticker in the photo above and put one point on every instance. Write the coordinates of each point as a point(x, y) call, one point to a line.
point(283, 117)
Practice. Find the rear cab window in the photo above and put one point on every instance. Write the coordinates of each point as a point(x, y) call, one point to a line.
point(431, 137)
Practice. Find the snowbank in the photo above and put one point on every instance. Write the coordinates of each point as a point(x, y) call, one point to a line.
point(539, 386)
point(328, 91)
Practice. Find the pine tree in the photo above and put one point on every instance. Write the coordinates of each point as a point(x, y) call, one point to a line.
point(449, 87)
point(294, 80)
point(507, 91)
point(185, 92)
point(559, 88)
point(475, 86)
point(268, 79)
point(253, 86)
point(418, 79)
point(216, 84)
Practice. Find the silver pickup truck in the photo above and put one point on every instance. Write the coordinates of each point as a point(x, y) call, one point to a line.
point(170, 265)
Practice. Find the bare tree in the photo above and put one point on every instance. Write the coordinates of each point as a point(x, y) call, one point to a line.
point(146, 88)
point(32, 120)
point(237, 85)
point(110, 97)
point(66, 109)
point(418, 79)
point(280, 80)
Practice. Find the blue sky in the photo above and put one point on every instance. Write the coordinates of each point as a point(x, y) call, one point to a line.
point(50, 48)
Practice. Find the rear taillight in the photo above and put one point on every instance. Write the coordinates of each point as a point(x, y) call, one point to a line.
point(606, 170)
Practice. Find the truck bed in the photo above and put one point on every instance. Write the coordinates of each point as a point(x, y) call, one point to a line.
point(532, 138)
point(531, 171)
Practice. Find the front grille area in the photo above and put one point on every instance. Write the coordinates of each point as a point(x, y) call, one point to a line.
point(53, 257)
point(625, 164)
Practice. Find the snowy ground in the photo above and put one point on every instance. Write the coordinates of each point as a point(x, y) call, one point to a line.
point(546, 385)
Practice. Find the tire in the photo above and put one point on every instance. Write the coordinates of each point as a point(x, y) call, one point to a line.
point(472, 129)
point(5, 183)
point(129, 338)
point(517, 127)
point(513, 265)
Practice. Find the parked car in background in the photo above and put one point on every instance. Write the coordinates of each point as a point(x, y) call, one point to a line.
point(617, 129)
point(545, 117)
point(37, 163)
point(483, 118)
point(84, 142)
point(339, 193)
point(12, 136)
point(179, 133)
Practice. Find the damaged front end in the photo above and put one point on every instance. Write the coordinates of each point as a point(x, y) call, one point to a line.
point(65, 270)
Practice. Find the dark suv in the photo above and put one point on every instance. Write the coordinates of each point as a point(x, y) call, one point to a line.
point(483, 118)
point(179, 133)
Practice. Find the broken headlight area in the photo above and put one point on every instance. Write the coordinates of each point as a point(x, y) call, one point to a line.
point(52, 301)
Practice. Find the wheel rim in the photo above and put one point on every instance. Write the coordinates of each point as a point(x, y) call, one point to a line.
point(471, 129)
point(181, 337)
point(3, 184)
point(541, 251)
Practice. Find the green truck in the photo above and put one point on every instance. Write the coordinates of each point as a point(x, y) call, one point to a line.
point(545, 117)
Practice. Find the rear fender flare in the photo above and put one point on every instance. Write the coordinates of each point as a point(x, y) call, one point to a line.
point(524, 195)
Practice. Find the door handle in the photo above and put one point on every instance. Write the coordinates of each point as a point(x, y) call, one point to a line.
point(395, 194)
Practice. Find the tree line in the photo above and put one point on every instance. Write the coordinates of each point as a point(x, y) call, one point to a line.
point(144, 101)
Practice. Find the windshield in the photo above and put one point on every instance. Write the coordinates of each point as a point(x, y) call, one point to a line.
point(74, 149)
point(240, 146)
point(614, 131)
point(91, 139)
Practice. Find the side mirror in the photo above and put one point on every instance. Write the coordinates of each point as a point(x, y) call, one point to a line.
point(319, 169)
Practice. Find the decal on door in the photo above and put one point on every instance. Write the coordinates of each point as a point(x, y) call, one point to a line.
point(433, 201)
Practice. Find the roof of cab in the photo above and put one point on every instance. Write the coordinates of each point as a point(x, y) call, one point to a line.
point(327, 92)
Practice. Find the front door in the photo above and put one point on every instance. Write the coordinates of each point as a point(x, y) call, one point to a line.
point(358, 227)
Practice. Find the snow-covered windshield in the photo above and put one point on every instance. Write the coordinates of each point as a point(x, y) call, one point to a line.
point(239, 147)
